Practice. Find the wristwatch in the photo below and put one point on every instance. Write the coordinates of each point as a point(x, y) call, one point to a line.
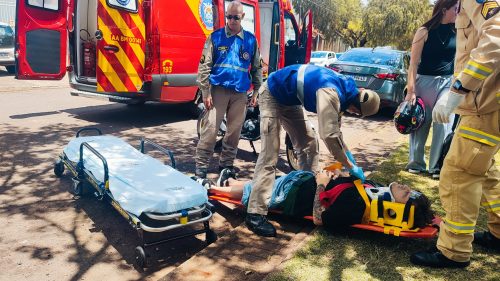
point(458, 86)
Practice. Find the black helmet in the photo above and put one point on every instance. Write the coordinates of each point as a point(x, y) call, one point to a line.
point(409, 118)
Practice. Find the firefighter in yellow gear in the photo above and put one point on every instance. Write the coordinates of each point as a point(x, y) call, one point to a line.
point(469, 177)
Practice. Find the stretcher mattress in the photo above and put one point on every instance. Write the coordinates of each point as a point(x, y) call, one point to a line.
point(138, 182)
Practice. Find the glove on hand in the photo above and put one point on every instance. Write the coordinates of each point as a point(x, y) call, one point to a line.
point(350, 157)
point(445, 106)
point(357, 172)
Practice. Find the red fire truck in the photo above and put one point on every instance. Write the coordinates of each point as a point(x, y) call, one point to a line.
point(132, 51)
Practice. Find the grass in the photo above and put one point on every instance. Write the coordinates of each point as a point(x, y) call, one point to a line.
point(363, 255)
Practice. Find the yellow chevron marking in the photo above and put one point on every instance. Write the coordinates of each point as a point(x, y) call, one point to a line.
point(487, 6)
point(194, 6)
point(110, 73)
point(121, 56)
point(139, 23)
point(120, 23)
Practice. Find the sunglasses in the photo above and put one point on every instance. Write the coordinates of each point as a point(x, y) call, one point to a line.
point(235, 17)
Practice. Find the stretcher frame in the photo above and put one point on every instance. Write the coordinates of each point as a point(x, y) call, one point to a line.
point(427, 232)
point(170, 221)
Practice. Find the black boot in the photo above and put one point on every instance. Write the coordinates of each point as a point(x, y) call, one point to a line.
point(487, 240)
point(259, 225)
point(434, 258)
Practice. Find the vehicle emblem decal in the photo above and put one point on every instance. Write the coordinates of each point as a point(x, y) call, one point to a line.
point(206, 13)
point(123, 2)
point(358, 68)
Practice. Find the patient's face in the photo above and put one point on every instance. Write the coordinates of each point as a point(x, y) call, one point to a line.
point(401, 192)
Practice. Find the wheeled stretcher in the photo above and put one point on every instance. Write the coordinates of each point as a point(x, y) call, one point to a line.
point(381, 216)
point(155, 198)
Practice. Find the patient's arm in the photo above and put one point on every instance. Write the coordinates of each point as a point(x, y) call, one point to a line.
point(317, 207)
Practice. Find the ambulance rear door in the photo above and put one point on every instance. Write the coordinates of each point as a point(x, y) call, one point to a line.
point(42, 38)
point(121, 45)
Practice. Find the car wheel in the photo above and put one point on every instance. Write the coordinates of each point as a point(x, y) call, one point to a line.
point(11, 69)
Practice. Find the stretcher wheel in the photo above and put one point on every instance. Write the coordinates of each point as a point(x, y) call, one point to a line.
point(210, 236)
point(140, 257)
point(58, 168)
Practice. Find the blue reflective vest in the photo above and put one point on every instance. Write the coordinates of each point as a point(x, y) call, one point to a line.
point(283, 86)
point(232, 57)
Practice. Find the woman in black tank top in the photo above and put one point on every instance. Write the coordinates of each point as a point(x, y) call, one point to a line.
point(429, 76)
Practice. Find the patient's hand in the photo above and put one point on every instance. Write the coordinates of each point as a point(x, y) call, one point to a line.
point(323, 177)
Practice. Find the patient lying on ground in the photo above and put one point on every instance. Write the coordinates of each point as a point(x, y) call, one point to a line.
point(331, 198)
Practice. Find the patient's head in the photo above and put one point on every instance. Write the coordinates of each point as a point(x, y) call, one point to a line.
point(401, 193)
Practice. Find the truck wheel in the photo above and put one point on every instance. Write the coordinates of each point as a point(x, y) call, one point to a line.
point(11, 69)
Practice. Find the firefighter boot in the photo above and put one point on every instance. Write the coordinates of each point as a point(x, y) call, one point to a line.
point(487, 240)
point(434, 258)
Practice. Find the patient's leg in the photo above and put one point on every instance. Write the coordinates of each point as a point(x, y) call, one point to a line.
point(232, 189)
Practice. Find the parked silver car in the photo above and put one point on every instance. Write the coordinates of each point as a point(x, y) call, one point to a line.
point(381, 69)
point(7, 48)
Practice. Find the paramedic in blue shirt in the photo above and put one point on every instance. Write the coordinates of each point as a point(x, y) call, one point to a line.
point(282, 99)
point(229, 65)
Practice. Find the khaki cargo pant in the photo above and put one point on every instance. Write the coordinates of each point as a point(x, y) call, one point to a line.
point(303, 138)
point(233, 105)
point(470, 178)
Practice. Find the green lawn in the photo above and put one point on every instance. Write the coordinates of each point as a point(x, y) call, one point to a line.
point(362, 255)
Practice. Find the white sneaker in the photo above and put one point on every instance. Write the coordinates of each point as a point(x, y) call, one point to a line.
point(225, 174)
point(435, 176)
point(412, 171)
point(203, 182)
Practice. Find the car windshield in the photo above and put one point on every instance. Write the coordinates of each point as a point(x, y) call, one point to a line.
point(318, 55)
point(6, 36)
point(375, 57)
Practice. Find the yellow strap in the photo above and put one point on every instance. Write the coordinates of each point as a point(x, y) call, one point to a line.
point(362, 192)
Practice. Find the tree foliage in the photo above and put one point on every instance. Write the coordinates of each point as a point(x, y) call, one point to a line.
point(379, 23)
point(394, 22)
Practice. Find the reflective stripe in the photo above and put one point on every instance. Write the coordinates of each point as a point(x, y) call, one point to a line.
point(225, 65)
point(459, 228)
point(498, 97)
point(300, 82)
point(477, 71)
point(478, 136)
point(492, 206)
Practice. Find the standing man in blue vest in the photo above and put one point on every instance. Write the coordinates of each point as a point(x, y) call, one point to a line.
point(229, 65)
point(282, 99)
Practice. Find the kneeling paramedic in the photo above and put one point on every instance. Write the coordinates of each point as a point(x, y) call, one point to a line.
point(470, 177)
point(282, 98)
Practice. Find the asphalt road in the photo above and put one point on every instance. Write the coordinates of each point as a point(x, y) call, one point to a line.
point(47, 234)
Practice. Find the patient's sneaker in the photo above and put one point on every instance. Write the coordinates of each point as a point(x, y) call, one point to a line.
point(225, 174)
point(413, 171)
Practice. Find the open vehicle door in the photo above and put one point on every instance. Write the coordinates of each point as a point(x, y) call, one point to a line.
point(41, 38)
point(306, 37)
point(121, 45)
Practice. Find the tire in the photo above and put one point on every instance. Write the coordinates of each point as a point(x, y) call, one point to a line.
point(11, 69)
point(210, 237)
point(291, 156)
point(58, 168)
point(141, 259)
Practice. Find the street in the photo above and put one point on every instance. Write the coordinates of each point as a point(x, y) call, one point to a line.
point(49, 235)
